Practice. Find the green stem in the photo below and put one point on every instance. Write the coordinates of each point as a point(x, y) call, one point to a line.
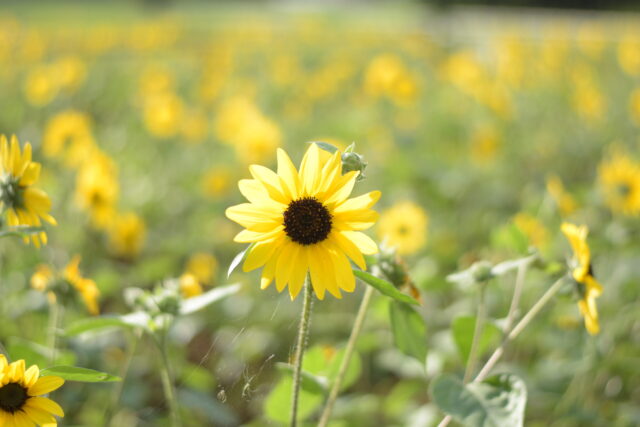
point(351, 344)
point(167, 382)
point(55, 314)
point(124, 370)
point(533, 311)
point(477, 333)
point(303, 333)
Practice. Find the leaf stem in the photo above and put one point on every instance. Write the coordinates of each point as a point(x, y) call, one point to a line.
point(511, 335)
point(303, 333)
point(167, 382)
point(477, 333)
point(351, 344)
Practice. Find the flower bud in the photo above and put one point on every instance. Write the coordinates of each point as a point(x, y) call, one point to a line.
point(352, 161)
point(481, 271)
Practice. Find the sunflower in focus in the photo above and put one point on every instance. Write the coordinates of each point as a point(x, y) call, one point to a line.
point(620, 181)
point(21, 401)
point(24, 205)
point(588, 288)
point(302, 221)
point(404, 227)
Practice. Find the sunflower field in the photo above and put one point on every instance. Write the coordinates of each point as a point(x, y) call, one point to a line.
point(275, 215)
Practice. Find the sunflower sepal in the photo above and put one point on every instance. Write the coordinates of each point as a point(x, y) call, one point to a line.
point(329, 148)
point(21, 231)
point(238, 259)
point(352, 161)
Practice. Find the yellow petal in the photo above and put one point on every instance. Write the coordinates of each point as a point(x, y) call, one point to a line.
point(288, 174)
point(20, 419)
point(309, 171)
point(363, 242)
point(15, 371)
point(284, 268)
point(271, 182)
point(31, 376)
point(46, 405)
point(349, 248)
point(299, 272)
point(268, 273)
point(260, 254)
point(316, 271)
point(45, 385)
point(364, 202)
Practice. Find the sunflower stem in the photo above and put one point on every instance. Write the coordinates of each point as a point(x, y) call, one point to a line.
point(303, 333)
point(55, 314)
point(167, 382)
point(477, 333)
point(511, 335)
point(132, 346)
point(351, 344)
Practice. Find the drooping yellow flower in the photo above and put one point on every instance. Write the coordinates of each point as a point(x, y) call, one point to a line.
point(583, 274)
point(189, 286)
point(68, 135)
point(97, 188)
point(566, 203)
point(23, 203)
point(87, 288)
point(619, 179)
point(21, 391)
point(126, 235)
point(203, 266)
point(404, 226)
point(302, 221)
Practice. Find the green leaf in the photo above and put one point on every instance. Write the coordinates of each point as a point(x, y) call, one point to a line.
point(462, 330)
point(309, 381)
point(238, 259)
point(496, 402)
point(83, 375)
point(277, 405)
point(324, 362)
point(385, 287)
point(409, 330)
point(132, 320)
point(20, 231)
point(325, 146)
point(199, 302)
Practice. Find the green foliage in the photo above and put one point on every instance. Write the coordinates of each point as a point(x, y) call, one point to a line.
point(499, 401)
point(409, 330)
point(83, 375)
point(385, 287)
point(462, 330)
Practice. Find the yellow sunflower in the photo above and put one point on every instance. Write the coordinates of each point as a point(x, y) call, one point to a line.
point(21, 404)
point(87, 288)
point(583, 274)
point(620, 181)
point(303, 222)
point(24, 204)
point(404, 226)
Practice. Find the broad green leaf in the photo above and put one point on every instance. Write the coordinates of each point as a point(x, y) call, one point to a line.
point(277, 405)
point(309, 381)
point(237, 260)
point(199, 302)
point(499, 401)
point(409, 330)
point(384, 287)
point(462, 330)
point(37, 354)
point(131, 320)
point(325, 361)
point(326, 146)
point(83, 375)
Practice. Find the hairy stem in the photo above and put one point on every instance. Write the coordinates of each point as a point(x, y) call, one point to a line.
point(167, 382)
point(351, 344)
point(477, 333)
point(303, 333)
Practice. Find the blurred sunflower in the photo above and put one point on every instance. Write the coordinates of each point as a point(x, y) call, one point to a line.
point(620, 181)
point(126, 235)
point(404, 226)
point(57, 283)
point(23, 204)
point(97, 188)
point(68, 135)
point(583, 274)
point(21, 389)
point(566, 203)
point(203, 266)
point(189, 285)
point(303, 222)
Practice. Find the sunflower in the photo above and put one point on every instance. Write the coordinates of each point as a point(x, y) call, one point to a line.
point(97, 188)
point(21, 389)
point(583, 274)
point(620, 181)
point(404, 226)
point(24, 204)
point(303, 222)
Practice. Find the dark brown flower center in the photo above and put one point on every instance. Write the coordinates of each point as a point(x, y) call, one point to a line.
point(12, 397)
point(307, 221)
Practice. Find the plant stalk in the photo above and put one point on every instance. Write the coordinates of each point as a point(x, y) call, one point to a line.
point(132, 346)
point(55, 314)
point(351, 344)
point(526, 319)
point(477, 333)
point(303, 333)
point(167, 382)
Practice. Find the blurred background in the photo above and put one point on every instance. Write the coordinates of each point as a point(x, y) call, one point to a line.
point(484, 127)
